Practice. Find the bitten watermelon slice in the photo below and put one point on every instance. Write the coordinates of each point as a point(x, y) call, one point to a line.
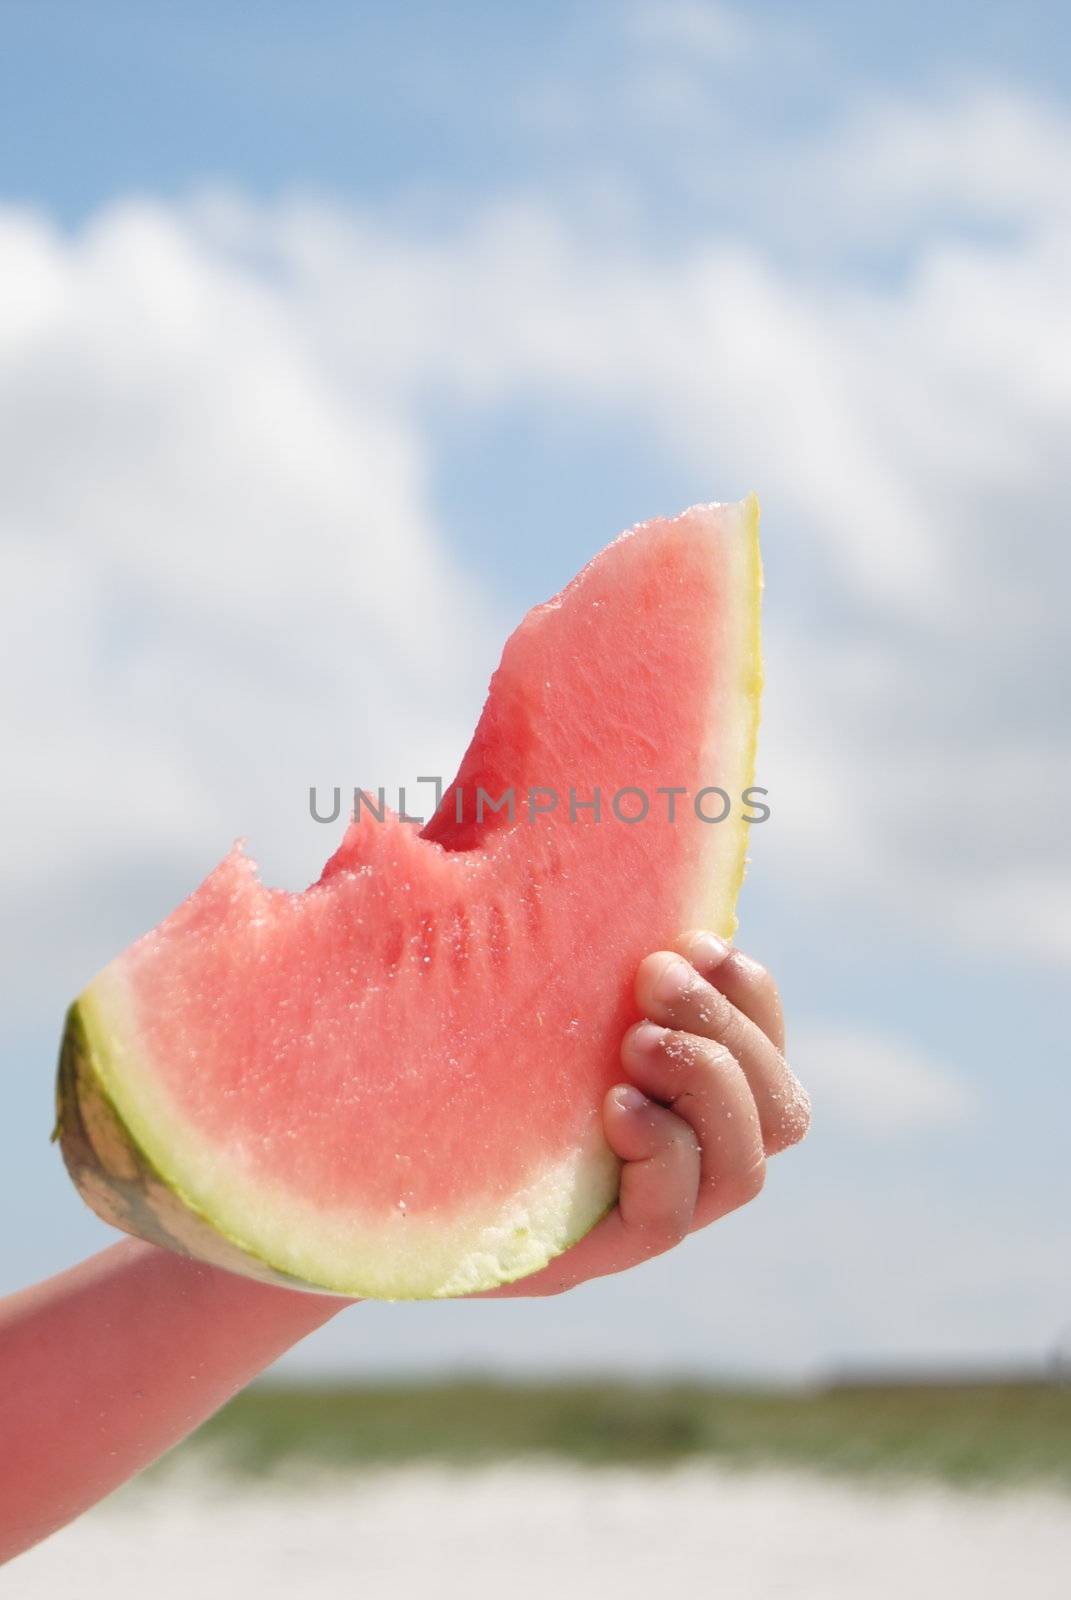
point(389, 1085)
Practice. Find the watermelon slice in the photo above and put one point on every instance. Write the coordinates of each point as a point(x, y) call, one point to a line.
point(389, 1085)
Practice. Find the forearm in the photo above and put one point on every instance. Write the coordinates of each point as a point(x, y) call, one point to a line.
point(105, 1367)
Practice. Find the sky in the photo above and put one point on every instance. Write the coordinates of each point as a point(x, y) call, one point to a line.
point(334, 337)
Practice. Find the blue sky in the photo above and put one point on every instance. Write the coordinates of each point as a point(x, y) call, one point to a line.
point(331, 338)
point(372, 101)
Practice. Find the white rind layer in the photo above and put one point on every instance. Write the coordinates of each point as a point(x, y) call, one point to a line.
point(370, 1255)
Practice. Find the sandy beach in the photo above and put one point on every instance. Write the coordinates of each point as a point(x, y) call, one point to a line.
point(531, 1532)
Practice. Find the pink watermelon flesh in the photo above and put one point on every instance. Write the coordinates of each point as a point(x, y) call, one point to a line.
point(390, 1084)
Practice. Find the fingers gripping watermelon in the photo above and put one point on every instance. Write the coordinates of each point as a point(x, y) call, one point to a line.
point(390, 1084)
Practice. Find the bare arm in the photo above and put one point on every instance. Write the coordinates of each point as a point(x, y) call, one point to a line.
point(105, 1367)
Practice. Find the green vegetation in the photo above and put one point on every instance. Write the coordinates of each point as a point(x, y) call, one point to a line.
point(969, 1434)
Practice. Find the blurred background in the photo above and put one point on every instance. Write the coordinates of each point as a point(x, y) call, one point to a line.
point(332, 337)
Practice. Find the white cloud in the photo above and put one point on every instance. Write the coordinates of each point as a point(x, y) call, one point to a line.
point(699, 28)
point(875, 1085)
point(980, 151)
point(221, 581)
point(906, 439)
point(222, 569)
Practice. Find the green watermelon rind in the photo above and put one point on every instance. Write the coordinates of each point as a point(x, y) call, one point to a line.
point(128, 1187)
point(116, 1177)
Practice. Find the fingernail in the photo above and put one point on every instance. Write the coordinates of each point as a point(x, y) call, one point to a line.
point(645, 1038)
point(708, 951)
point(674, 980)
point(628, 1098)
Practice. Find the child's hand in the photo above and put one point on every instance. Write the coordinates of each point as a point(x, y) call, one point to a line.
point(709, 1096)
